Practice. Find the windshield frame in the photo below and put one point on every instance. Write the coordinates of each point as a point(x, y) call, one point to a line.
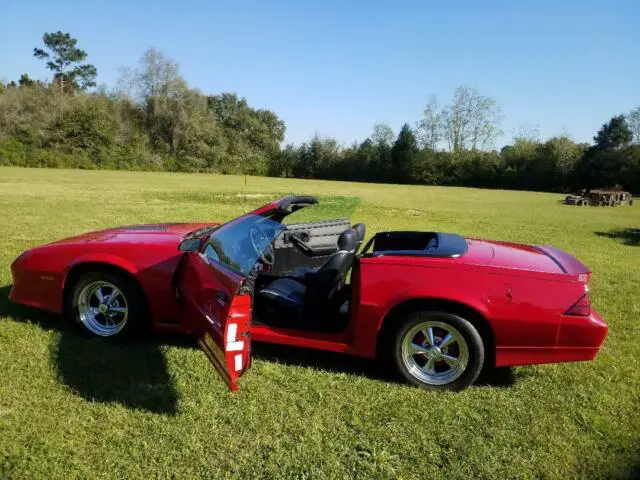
point(240, 226)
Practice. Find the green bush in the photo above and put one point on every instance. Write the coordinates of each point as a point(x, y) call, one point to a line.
point(12, 152)
point(44, 158)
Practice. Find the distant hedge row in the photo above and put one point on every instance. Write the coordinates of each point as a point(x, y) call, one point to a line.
point(555, 165)
point(43, 127)
point(191, 132)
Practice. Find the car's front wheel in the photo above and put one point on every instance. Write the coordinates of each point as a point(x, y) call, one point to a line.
point(438, 350)
point(105, 304)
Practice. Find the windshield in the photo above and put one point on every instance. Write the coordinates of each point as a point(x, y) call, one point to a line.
point(201, 231)
point(240, 243)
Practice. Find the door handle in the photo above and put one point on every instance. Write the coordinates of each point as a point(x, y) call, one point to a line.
point(222, 298)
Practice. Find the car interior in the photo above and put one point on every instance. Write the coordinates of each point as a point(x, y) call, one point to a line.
point(307, 285)
point(300, 274)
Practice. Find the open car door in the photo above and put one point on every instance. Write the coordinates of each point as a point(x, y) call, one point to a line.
point(217, 312)
point(210, 284)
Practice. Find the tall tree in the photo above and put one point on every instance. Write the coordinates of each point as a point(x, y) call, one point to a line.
point(430, 127)
point(65, 59)
point(261, 128)
point(282, 164)
point(253, 134)
point(168, 105)
point(357, 161)
point(156, 76)
point(472, 120)
point(403, 154)
point(528, 132)
point(614, 134)
point(382, 137)
point(554, 164)
point(382, 134)
point(633, 119)
point(26, 81)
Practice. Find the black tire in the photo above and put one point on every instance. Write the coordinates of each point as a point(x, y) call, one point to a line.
point(471, 343)
point(136, 312)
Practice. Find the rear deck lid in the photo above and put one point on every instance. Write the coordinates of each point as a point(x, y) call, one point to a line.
point(540, 259)
point(567, 262)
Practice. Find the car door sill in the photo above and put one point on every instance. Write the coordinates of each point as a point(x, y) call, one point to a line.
point(335, 342)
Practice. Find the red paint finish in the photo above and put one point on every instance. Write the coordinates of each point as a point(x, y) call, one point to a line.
point(215, 312)
point(517, 294)
point(298, 338)
point(39, 275)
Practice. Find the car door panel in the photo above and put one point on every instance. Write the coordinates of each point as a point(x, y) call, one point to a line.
point(320, 238)
point(217, 313)
point(228, 350)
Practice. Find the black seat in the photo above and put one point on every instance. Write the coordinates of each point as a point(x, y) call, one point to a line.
point(286, 292)
point(320, 287)
point(302, 273)
point(360, 230)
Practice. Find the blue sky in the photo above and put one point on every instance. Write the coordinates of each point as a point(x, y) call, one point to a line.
point(338, 67)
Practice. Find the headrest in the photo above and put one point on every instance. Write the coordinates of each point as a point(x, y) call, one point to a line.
point(348, 240)
point(360, 230)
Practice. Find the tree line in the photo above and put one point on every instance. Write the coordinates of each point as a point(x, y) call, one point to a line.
point(153, 120)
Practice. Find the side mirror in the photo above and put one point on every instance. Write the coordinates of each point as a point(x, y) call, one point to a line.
point(189, 245)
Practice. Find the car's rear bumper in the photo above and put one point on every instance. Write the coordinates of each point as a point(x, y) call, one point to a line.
point(579, 339)
point(582, 334)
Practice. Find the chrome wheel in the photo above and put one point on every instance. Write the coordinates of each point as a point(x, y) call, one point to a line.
point(102, 308)
point(435, 352)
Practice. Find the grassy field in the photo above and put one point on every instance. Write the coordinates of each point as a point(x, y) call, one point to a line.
point(76, 408)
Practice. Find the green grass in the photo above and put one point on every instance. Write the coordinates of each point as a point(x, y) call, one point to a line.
point(76, 408)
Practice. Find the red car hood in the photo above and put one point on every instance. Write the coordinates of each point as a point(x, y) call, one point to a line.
point(162, 233)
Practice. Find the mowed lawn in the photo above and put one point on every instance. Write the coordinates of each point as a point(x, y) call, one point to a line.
point(77, 408)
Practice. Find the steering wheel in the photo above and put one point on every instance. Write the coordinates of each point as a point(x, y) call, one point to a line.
point(258, 237)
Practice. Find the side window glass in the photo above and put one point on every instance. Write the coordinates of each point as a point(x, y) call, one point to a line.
point(210, 253)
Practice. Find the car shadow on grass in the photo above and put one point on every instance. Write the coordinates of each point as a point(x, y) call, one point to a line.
point(502, 377)
point(375, 370)
point(627, 236)
point(134, 374)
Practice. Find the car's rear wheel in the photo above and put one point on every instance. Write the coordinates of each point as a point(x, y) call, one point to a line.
point(105, 304)
point(438, 351)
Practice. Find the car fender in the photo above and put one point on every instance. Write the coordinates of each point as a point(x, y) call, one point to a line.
point(154, 280)
point(476, 303)
point(105, 258)
point(367, 338)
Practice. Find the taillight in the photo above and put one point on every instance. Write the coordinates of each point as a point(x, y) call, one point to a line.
point(582, 308)
point(584, 278)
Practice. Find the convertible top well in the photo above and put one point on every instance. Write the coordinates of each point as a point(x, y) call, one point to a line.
point(418, 244)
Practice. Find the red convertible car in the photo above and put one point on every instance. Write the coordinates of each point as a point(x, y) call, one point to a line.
point(438, 306)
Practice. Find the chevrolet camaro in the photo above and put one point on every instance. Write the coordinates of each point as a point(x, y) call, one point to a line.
point(437, 306)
